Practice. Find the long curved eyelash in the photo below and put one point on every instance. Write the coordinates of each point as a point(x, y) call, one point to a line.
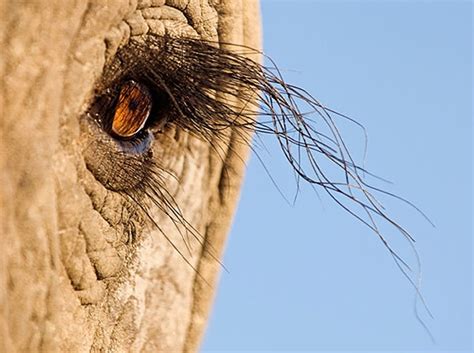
point(202, 81)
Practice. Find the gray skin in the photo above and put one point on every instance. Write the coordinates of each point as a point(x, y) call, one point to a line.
point(69, 279)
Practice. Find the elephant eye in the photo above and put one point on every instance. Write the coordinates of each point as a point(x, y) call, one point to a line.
point(132, 110)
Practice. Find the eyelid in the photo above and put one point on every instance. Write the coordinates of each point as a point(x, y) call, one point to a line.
point(117, 164)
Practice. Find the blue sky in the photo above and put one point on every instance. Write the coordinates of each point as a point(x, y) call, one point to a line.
point(309, 276)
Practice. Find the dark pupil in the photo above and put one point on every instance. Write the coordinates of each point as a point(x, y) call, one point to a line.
point(133, 104)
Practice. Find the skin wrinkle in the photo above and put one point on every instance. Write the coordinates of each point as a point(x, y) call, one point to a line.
point(104, 257)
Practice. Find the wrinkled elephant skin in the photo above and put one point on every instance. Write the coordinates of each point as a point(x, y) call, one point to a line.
point(70, 278)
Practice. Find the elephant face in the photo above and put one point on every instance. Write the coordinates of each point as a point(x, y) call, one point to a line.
point(103, 251)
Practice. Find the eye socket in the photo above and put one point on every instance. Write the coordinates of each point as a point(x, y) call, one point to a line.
point(132, 110)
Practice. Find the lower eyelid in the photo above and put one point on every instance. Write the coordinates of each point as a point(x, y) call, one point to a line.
point(117, 165)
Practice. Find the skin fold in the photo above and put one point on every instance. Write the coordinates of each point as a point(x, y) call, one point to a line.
point(70, 278)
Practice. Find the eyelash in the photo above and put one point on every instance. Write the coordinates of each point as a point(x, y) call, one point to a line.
point(186, 77)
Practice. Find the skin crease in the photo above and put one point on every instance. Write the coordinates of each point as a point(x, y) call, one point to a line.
point(69, 280)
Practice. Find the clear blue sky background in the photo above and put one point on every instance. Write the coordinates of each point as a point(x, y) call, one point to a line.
point(309, 276)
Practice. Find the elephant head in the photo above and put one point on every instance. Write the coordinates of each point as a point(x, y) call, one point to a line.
point(90, 263)
point(125, 131)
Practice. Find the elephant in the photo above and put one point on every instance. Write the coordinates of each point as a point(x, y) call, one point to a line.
point(71, 279)
point(125, 130)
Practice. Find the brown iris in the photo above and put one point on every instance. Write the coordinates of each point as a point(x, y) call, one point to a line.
point(132, 109)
